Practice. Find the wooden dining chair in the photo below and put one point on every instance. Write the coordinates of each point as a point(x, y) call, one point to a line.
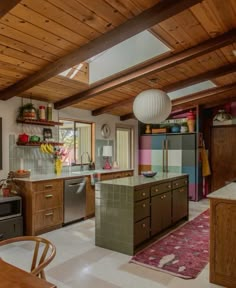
point(41, 258)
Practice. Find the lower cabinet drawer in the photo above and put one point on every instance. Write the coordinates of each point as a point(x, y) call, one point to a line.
point(141, 210)
point(180, 182)
point(10, 228)
point(141, 231)
point(160, 188)
point(48, 218)
point(47, 200)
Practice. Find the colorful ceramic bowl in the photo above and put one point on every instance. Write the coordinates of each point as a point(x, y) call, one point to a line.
point(148, 173)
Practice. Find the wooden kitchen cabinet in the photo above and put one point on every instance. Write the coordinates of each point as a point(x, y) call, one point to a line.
point(160, 212)
point(90, 198)
point(42, 205)
point(222, 242)
point(115, 175)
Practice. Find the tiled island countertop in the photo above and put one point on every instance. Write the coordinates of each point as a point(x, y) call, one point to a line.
point(142, 180)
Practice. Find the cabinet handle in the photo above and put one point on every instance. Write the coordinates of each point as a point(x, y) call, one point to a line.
point(144, 194)
point(143, 225)
point(176, 184)
point(164, 196)
point(169, 186)
point(144, 205)
point(48, 186)
point(49, 214)
point(181, 190)
point(156, 190)
point(48, 196)
point(185, 181)
point(161, 197)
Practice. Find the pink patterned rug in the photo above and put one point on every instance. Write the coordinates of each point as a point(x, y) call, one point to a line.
point(183, 253)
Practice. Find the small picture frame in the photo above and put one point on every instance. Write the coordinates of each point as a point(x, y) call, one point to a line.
point(47, 134)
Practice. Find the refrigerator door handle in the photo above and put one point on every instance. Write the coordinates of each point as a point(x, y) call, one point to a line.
point(166, 170)
point(163, 155)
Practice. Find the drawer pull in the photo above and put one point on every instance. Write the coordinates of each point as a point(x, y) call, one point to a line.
point(156, 190)
point(144, 205)
point(144, 194)
point(48, 196)
point(176, 184)
point(164, 196)
point(181, 190)
point(143, 225)
point(49, 214)
point(185, 181)
point(161, 197)
point(48, 186)
point(169, 186)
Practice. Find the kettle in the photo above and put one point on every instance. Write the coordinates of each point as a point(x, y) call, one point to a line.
point(23, 138)
point(34, 138)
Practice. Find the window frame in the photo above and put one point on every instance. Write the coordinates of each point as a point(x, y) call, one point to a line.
point(92, 152)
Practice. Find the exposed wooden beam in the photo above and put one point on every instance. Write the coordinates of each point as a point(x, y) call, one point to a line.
point(196, 51)
point(148, 18)
point(127, 117)
point(209, 75)
point(198, 98)
point(227, 69)
point(7, 5)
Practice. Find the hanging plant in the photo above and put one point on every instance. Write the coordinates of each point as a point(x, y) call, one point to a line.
point(27, 111)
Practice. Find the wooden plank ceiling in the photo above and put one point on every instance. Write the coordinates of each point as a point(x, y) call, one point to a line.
point(39, 39)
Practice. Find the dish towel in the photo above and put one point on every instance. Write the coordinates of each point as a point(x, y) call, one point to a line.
point(95, 177)
point(206, 171)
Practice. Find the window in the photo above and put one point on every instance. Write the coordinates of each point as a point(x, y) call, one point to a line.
point(78, 141)
point(124, 146)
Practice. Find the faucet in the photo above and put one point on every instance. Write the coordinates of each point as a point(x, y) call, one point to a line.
point(81, 159)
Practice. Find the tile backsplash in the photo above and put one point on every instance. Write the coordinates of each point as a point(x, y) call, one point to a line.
point(31, 158)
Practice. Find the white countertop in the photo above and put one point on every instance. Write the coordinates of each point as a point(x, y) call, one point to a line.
point(227, 192)
point(72, 174)
point(142, 180)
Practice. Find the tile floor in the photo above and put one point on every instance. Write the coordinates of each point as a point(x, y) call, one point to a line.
point(79, 263)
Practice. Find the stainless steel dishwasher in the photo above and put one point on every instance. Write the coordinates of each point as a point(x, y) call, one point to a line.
point(74, 199)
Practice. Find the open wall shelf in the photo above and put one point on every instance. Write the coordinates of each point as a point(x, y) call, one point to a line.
point(38, 122)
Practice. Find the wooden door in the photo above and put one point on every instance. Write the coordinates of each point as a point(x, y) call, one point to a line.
point(223, 155)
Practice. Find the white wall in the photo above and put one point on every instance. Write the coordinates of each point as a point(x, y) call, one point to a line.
point(8, 113)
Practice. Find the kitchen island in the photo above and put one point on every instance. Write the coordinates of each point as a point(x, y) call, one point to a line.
point(223, 236)
point(132, 210)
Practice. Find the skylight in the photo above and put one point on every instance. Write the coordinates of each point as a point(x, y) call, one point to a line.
point(191, 89)
point(126, 54)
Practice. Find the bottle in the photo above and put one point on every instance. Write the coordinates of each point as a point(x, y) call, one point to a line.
point(42, 114)
point(49, 112)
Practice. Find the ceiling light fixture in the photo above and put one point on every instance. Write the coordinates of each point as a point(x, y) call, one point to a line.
point(152, 106)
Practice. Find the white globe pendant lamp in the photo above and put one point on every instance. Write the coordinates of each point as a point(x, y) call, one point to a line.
point(152, 106)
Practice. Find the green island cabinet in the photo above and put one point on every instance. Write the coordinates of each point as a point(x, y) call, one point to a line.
point(132, 210)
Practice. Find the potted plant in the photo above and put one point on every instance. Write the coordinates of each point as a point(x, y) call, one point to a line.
point(27, 111)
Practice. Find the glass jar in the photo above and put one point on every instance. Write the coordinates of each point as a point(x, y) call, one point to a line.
point(49, 112)
point(42, 113)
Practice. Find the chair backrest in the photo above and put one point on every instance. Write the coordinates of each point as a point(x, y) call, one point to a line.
point(40, 258)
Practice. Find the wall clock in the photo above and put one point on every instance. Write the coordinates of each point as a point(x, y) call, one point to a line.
point(105, 131)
